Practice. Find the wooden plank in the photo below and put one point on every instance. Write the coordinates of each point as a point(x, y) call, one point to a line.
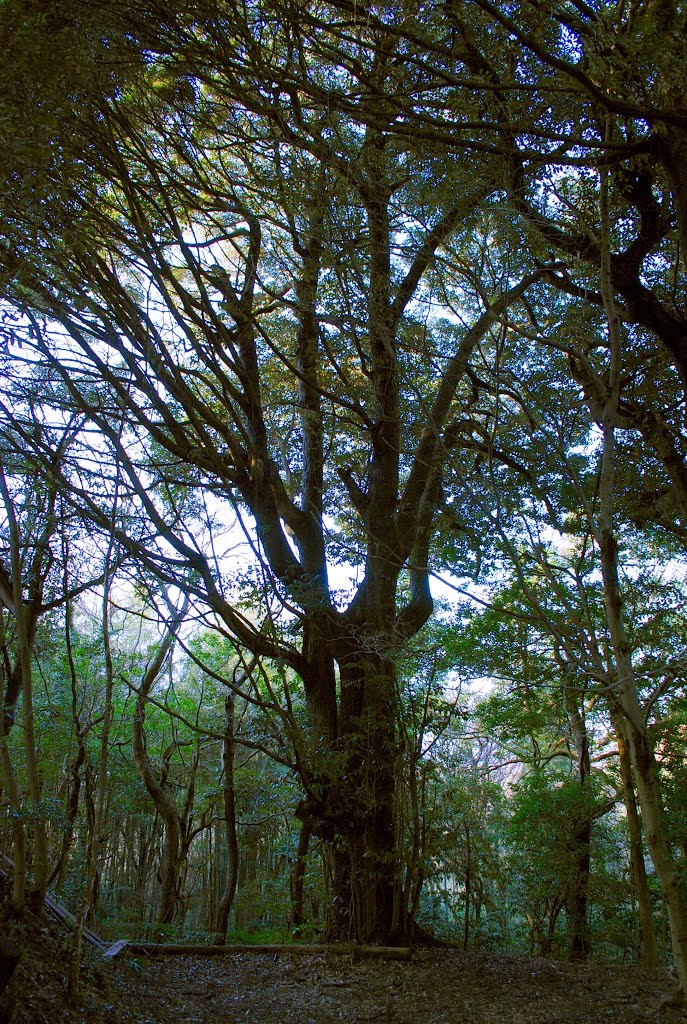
point(116, 947)
point(58, 911)
point(179, 949)
point(95, 940)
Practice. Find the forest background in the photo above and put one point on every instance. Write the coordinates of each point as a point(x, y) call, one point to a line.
point(306, 308)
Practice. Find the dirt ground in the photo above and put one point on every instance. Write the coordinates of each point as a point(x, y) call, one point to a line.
point(437, 987)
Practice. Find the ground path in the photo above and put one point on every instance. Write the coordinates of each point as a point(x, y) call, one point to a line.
point(437, 987)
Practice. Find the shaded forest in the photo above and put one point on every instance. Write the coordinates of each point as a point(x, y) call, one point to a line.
point(343, 473)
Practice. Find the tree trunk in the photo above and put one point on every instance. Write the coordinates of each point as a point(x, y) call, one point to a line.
point(25, 645)
point(468, 883)
point(248, 874)
point(354, 810)
point(578, 895)
point(14, 800)
point(577, 899)
point(169, 870)
point(649, 952)
point(645, 767)
point(68, 833)
point(633, 722)
point(164, 804)
point(297, 880)
point(232, 866)
point(668, 870)
point(556, 907)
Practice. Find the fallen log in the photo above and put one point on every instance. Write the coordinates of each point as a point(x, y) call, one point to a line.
point(174, 948)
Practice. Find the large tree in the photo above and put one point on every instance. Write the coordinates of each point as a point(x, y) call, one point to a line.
point(242, 309)
point(264, 283)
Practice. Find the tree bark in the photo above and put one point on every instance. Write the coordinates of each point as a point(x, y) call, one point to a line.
point(468, 884)
point(577, 899)
point(232, 866)
point(296, 886)
point(358, 811)
point(24, 641)
point(164, 804)
point(649, 949)
point(96, 802)
point(248, 874)
point(13, 797)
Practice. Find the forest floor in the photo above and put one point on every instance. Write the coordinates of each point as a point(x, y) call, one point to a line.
point(439, 986)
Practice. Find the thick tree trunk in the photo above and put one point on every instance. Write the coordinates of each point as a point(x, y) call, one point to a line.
point(351, 801)
point(354, 810)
